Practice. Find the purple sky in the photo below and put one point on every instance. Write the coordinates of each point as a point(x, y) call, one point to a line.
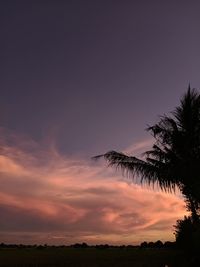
point(81, 78)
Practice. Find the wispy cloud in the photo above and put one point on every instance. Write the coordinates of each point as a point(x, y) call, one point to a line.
point(138, 148)
point(46, 197)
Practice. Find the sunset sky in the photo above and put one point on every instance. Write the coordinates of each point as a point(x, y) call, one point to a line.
point(79, 78)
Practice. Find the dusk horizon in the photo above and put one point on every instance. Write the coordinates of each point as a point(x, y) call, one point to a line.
point(80, 78)
point(47, 197)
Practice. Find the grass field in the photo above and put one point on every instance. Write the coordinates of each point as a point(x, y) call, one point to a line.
point(91, 257)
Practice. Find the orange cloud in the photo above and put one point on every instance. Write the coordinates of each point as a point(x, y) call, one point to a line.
point(46, 197)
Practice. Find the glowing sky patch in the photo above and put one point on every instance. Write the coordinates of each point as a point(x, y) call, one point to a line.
point(67, 200)
point(78, 79)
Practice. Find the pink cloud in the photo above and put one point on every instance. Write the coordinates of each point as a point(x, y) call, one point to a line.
point(46, 197)
point(139, 147)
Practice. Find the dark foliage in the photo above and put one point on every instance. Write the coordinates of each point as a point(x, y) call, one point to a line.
point(174, 160)
point(158, 244)
point(187, 234)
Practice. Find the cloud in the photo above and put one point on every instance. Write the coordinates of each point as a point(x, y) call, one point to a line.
point(138, 148)
point(46, 197)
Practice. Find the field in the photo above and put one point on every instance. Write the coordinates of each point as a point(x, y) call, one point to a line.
point(90, 257)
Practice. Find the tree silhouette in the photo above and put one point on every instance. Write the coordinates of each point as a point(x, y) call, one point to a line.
point(174, 160)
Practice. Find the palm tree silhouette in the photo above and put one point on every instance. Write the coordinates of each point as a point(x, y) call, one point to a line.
point(174, 160)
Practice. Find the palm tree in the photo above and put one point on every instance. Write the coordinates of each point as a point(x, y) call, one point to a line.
point(174, 160)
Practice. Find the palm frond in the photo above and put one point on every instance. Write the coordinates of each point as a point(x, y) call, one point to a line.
point(174, 159)
point(147, 171)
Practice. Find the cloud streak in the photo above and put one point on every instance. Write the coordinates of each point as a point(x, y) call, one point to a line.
point(46, 197)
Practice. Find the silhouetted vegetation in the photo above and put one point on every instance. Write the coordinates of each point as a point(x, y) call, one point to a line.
point(187, 232)
point(76, 245)
point(158, 244)
point(173, 161)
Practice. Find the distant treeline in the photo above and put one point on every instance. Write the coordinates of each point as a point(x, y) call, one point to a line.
point(158, 244)
point(143, 245)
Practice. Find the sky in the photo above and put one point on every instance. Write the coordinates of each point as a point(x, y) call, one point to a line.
point(80, 78)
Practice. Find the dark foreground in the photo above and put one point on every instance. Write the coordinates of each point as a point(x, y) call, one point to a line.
point(91, 257)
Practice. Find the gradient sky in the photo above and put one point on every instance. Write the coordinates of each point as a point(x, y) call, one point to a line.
point(79, 78)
